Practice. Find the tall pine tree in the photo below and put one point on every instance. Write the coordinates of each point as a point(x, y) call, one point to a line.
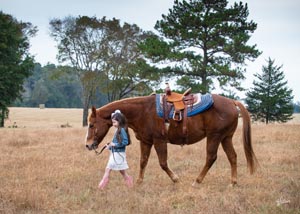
point(270, 100)
point(206, 42)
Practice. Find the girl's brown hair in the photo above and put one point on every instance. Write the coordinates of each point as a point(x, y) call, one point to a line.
point(118, 116)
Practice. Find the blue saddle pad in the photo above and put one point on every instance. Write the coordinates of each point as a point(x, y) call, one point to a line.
point(204, 102)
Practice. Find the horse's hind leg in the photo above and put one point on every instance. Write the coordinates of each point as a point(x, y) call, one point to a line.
point(211, 157)
point(162, 153)
point(231, 155)
point(145, 153)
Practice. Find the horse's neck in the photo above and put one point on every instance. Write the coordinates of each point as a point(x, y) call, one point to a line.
point(130, 107)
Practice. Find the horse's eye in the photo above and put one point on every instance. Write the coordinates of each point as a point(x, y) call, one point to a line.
point(91, 126)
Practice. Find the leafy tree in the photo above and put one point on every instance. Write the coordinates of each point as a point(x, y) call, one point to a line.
point(103, 55)
point(125, 68)
point(270, 99)
point(40, 93)
point(54, 86)
point(205, 40)
point(15, 61)
point(81, 44)
point(63, 87)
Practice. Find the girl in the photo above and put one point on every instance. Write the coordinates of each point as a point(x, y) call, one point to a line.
point(117, 159)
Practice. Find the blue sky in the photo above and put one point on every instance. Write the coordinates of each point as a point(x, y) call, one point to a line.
point(277, 35)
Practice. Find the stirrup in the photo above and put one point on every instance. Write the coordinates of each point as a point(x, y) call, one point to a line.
point(177, 113)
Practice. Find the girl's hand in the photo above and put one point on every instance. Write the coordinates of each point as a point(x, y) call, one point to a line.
point(112, 144)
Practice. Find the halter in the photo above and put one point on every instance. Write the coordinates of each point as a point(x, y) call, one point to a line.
point(96, 140)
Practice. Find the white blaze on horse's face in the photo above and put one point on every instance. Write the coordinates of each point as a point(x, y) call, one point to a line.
point(90, 134)
point(92, 128)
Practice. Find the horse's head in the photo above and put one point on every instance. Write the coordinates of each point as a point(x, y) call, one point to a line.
point(98, 126)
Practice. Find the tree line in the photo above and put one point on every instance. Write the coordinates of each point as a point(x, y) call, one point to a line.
point(199, 44)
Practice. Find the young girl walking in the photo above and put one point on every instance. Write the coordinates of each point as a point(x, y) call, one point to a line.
point(117, 159)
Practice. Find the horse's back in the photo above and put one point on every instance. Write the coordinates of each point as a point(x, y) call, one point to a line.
point(224, 105)
point(223, 113)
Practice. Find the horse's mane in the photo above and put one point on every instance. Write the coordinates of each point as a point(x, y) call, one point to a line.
point(128, 99)
point(106, 109)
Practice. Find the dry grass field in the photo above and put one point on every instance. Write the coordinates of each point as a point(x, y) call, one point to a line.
point(45, 168)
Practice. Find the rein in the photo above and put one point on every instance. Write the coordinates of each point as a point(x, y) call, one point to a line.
point(113, 153)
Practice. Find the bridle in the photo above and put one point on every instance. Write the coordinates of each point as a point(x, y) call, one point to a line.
point(95, 143)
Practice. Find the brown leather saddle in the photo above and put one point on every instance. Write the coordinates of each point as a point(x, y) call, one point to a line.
point(179, 102)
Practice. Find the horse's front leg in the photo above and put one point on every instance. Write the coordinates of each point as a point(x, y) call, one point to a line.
point(145, 152)
point(162, 153)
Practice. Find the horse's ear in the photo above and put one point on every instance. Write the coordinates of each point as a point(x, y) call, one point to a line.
point(93, 111)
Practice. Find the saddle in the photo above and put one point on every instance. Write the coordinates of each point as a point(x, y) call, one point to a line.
point(179, 102)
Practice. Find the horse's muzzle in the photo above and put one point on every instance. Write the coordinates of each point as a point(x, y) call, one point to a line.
point(91, 146)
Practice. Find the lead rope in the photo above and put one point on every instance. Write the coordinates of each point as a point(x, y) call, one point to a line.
point(99, 153)
point(113, 153)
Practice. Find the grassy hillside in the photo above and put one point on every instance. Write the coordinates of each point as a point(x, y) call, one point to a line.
point(45, 168)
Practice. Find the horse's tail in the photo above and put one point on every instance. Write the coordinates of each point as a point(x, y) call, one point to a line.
point(250, 156)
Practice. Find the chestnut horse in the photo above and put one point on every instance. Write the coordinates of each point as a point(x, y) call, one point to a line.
point(217, 124)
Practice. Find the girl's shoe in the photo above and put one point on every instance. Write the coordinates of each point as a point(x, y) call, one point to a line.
point(103, 183)
point(129, 181)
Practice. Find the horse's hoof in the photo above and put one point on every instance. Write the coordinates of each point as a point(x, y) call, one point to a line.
point(232, 185)
point(175, 179)
point(139, 181)
point(196, 184)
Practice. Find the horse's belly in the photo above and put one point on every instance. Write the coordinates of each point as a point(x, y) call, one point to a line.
point(180, 138)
